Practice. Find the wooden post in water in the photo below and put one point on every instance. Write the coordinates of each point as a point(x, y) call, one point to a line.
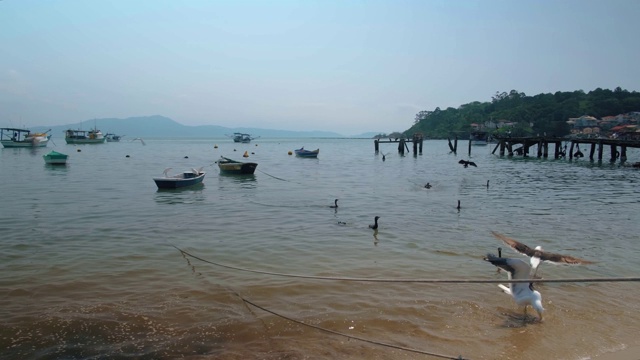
point(545, 147)
point(614, 152)
point(556, 153)
point(623, 153)
point(539, 149)
point(496, 148)
point(600, 146)
point(503, 146)
point(455, 145)
point(401, 147)
point(571, 151)
point(376, 145)
point(469, 147)
point(510, 148)
point(451, 146)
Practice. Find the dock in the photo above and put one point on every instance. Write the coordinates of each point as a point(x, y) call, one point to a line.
point(417, 141)
point(521, 146)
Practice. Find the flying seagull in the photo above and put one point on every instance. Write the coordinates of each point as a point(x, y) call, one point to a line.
point(467, 163)
point(537, 255)
point(523, 293)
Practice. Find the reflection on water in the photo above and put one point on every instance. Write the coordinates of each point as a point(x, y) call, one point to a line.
point(184, 195)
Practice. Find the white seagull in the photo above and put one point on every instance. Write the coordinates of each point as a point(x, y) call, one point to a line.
point(537, 255)
point(523, 293)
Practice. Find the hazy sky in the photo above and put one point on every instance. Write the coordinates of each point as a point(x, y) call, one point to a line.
point(336, 65)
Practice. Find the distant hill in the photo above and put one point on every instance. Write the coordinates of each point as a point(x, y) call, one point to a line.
point(160, 126)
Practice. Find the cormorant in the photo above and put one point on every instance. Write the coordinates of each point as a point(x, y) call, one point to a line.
point(375, 225)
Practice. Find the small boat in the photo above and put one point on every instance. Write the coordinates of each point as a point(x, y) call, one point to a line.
point(307, 153)
point(17, 138)
point(94, 136)
point(230, 166)
point(113, 137)
point(479, 138)
point(242, 138)
point(55, 158)
point(187, 178)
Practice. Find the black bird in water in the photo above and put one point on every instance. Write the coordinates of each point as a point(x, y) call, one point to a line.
point(467, 163)
point(487, 184)
point(428, 186)
point(375, 225)
point(334, 206)
point(458, 207)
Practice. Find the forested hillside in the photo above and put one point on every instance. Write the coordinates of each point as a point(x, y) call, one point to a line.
point(531, 114)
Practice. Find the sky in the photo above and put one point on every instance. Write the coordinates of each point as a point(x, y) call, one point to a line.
point(344, 66)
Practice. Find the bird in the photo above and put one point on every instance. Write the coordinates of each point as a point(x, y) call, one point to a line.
point(458, 207)
point(487, 184)
point(537, 255)
point(335, 206)
point(523, 293)
point(375, 225)
point(166, 172)
point(467, 163)
point(142, 141)
point(428, 186)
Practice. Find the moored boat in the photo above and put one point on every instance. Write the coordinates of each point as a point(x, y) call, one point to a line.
point(55, 158)
point(18, 138)
point(242, 138)
point(230, 166)
point(113, 137)
point(94, 136)
point(479, 138)
point(187, 178)
point(307, 153)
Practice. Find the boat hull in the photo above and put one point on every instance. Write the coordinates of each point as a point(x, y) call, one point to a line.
point(228, 166)
point(179, 181)
point(85, 141)
point(307, 153)
point(55, 158)
point(25, 143)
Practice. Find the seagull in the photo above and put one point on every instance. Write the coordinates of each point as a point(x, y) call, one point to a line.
point(142, 141)
point(334, 206)
point(166, 172)
point(524, 294)
point(467, 163)
point(537, 255)
point(375, 225)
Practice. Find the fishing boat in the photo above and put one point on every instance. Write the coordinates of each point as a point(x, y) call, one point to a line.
point(18, 138)
point(479, 137)
point(55, 158)
point(230, 166)
point(113, 137)
point(187, 178)
point(242, 138)
point(307, 153)
point(94, 136)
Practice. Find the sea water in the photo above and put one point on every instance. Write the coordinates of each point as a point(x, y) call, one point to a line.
point(91, 267)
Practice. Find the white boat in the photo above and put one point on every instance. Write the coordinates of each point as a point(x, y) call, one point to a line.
point(113, 137)
point(17, 138)
point(55, 158)
point(94, 136)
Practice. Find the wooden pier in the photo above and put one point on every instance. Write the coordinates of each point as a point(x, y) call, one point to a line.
point(522, 145)
point(417, 140)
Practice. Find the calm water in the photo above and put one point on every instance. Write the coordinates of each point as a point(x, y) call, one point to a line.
point(88, 269)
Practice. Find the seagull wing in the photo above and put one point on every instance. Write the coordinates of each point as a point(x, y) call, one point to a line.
point(559, 258)
point(515, 245)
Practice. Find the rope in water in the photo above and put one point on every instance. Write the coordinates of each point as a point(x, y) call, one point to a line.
point(440, 281)
point(353, 337)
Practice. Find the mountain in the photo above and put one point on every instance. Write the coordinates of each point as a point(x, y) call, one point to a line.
point(160, 126)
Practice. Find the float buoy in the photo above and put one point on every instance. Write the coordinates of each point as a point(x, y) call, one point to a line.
point(246, 154)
